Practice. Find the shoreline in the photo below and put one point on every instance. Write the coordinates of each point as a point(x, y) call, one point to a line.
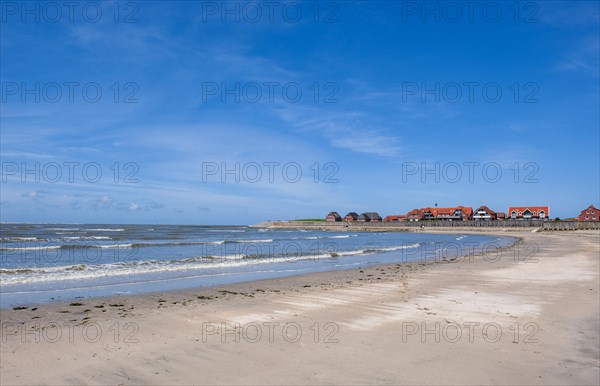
point(215, 289)
point(368, 306)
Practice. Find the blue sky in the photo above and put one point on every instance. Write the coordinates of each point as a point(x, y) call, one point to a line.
point(397, 104)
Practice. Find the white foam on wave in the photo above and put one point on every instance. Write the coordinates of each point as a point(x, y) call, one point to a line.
point(44, 247)
point(324, 237)
point(94, 272)
point(399, 247)
point(85, 238)
point(31, 248)
point(106, 230)
point(85, 272)
point(254, 241)
point(113, 246)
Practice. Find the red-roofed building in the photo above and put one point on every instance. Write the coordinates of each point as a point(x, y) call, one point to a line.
point(395, 217)
point(484, 213)
point(414, 215)
point(528, 212)
point(591, 213)
point(459, 213)
point(333, 217)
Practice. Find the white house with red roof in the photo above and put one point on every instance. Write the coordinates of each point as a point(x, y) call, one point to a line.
point(484, 213)
point(528, 212)
point(459, 213)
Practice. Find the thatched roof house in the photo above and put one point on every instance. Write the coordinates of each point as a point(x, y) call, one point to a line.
point(369, 217)
point(351, 216)
point(333, 216)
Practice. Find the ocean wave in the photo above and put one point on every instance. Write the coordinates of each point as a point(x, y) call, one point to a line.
point(177, 243)
point(31, 248)
point(105, 229)
point(189, 243)
point(109, 246)
point(323, 237)
point(86, 238)
point(83, 271)
point(113, 246)
point(16, 271)
point(251, 241)
point(227, 230)
point(391, 249)
point(66, 246)
point(83, 245)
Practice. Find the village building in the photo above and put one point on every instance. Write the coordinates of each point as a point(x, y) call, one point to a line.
point(529, 212)
point(459, 213)
point(484, 213)
point(333, 217)
point(369, 217)
point(351, 216)
point(590, 213)
point(374, 216)
point(395, 217)
point(413, 215)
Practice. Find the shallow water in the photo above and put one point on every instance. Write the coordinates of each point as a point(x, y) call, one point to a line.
point(50, 262)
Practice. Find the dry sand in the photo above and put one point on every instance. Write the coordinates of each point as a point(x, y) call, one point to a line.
point(529, 315)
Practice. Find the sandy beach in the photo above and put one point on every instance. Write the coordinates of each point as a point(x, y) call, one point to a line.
point(527, 315)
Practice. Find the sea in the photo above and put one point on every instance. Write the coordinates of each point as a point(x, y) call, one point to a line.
point(41, 263)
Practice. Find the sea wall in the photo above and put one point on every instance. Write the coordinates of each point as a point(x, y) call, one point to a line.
point(419, 225)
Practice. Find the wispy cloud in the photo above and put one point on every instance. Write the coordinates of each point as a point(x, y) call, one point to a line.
point(368, 132)
point(346, 130)
point(35, 195)
point(583, 56)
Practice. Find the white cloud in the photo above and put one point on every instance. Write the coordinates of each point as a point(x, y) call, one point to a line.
point(34, 195)
point(369, 142)
point(105, 202)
